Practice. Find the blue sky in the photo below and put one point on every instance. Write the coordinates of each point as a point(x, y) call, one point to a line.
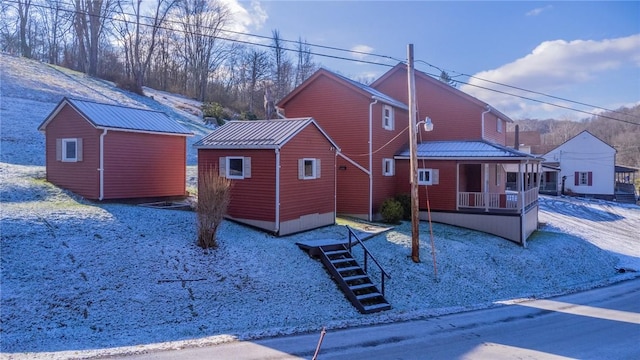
point(587, 52)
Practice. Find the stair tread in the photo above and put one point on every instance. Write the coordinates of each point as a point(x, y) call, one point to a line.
point(355, 277)
point(349, 268)
point(336, 252)
point(343, 260)
point(362, 286)
point(377, 306)
point(369, 296)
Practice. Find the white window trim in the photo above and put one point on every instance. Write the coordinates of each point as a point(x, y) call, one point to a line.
point(499, 126)
point(392, 167)
point(583, 175)
point(388, 121)
point(228, 167)
point(314, 166)
point(430, 171)
point(65, 142)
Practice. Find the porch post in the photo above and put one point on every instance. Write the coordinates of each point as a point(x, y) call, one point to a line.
point(486, 187)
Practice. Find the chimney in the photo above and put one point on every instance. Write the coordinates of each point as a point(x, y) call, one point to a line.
point(517, 138)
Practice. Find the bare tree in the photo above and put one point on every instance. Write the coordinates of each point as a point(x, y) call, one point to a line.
point(305, 66)
point(282, 67)
point(23, 7)
point(257, 63)
point(139, 33)
point(56, 19)
point(203, 51)
point(89, 27)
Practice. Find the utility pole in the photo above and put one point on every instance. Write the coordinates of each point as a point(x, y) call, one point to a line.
point(413, 155)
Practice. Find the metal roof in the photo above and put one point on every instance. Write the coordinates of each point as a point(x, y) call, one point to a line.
point(375, 93)
point(445, 150)
point(122, 118)
point(256, 134)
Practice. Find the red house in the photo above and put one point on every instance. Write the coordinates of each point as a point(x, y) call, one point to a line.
point(369, 127)
point(102, 151)
point(463, 161)
point(283, 172)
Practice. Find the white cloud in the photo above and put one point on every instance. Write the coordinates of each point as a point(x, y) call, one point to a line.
point(359, 49)
point(246, 16)
point(538, 11)
point(555, 66)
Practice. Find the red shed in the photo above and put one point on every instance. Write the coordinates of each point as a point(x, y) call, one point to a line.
point(283, 172)
point(102, 151)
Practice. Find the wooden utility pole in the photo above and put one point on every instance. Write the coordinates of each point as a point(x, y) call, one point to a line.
point(413, 155)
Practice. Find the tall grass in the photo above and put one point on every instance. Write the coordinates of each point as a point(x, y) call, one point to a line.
point(214, 194)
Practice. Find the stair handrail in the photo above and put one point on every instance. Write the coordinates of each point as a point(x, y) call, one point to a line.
point(367, 253)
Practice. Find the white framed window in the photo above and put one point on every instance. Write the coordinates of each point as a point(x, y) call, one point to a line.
point(308, 169)
point(387, 117)
point(425, 177)
point(583, 178)
point(388, 167)
point(69, 150)
point(499, 125)
point(428, 176)
point(235, 167)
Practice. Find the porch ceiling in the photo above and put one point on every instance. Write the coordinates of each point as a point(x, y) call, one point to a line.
point(466, 150)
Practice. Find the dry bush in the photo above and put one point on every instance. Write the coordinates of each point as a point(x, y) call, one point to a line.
point(214, 194)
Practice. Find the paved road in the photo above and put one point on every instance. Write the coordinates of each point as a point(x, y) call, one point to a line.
point(597, 324)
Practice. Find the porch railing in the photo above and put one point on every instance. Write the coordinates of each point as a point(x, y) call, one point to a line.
point(494, 201)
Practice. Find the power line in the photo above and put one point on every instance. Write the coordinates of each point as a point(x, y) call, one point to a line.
point(386, 57)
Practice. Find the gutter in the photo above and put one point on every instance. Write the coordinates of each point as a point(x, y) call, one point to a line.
point(375, 101)
point(277, 229)
point(487, 111)
point(101, 169)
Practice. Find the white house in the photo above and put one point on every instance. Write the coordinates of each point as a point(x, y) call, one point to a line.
point(587, 166)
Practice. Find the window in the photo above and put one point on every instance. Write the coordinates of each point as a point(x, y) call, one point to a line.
point(583, 178)
point(387, 117)
point(498, 174)
point(69, 150)
point(308, 169)
point(428, 176)
point(499, 125)
point(424, 177)
point(235, 167)
point(388, 167)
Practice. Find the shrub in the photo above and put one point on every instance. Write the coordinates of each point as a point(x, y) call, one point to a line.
point(216, 111)
point(214, 194)
point(405, 201)
point(391, 211)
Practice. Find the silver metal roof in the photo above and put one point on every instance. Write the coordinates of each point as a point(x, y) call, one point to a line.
point(123, 118)
point(256, 134)
point(466, 150)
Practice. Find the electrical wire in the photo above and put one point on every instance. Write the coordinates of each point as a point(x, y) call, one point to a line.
point(385, 57)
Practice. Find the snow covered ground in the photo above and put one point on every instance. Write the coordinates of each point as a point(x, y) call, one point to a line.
point(86, 279)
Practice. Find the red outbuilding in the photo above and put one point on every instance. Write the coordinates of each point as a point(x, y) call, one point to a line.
point(282, 171)
point(102, 151)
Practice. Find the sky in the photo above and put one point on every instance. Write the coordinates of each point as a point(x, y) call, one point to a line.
point(585, 52)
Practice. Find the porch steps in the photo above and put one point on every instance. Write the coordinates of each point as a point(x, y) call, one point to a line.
point(350, 277)
point(626, 198)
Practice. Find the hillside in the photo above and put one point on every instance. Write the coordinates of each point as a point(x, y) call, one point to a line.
point(32, 88)
point(82, 279)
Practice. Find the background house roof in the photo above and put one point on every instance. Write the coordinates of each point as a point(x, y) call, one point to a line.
point(120, 117)
point(477, 150)
point(256, 134)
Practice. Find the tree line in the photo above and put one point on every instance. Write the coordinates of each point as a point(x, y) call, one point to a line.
point(179, 46)
point(624, 135)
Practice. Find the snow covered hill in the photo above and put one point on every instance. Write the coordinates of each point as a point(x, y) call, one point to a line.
point(82, 279)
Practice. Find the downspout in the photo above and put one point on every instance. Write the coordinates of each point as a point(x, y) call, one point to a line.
point(375, 101)
point(522, 229)
point(488, 110)
point(277, 229)
point(279, 114)
point(101, 169)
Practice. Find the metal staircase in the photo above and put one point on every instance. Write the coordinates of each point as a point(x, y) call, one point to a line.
point(352, 279)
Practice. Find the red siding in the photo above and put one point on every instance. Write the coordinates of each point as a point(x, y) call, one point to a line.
point(441, 196)
point(80, 177)
point(301, 197)
point(253, 198)
point(455, 117)
point(138, 165)
point(343, 113)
